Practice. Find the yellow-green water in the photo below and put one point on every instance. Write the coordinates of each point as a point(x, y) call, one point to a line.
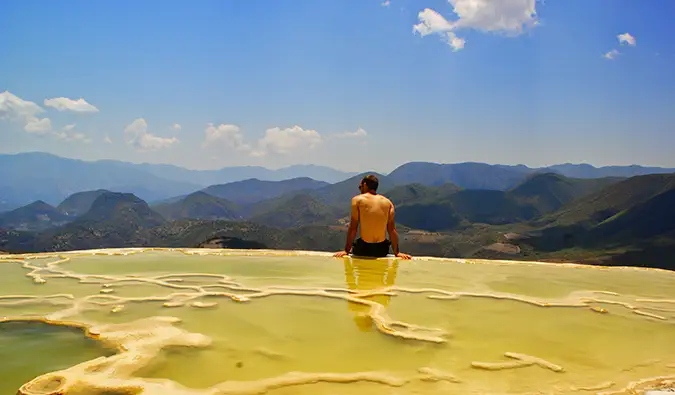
point(241, 322)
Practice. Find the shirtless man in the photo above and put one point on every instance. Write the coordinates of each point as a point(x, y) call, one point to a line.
point(375, 214)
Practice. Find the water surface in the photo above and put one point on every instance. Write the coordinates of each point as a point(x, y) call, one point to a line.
point(242, 322)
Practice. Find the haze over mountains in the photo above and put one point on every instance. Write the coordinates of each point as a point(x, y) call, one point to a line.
point(29, 177)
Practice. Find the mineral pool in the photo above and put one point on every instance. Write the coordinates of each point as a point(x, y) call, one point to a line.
point(209, 321)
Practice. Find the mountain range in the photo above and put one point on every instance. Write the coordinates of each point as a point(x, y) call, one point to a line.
point(547, 216)
point(33, 176)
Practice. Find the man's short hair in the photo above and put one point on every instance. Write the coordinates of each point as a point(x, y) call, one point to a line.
point(371, 182)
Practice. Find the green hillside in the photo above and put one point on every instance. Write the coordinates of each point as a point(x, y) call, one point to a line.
point(114, 220)
point(254, 190)
point(199, 205)
point(548, 192)
point(79, 203)
point(33, 217)
point(597, 207)
point(631, 222)
point(652, 218)
point(466, 175)
point(299, 210)
point(419, 193)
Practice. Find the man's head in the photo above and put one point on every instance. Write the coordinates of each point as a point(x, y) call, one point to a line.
point(369, 183)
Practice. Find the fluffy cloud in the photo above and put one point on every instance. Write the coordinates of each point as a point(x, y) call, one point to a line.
point(386, 3)
point(611, 55)
point(15, 109)
point(176, 127)
point(224, 134)
point(137, 136)
point(65, 104)
point(510, 17)
point(505, 16)
point(626, 38)
point(38, 126)
point(358, 133)
point(66, 134)
point(287, 141)
point(276, 140)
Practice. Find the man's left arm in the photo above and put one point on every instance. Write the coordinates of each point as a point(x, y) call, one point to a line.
point(353, 225)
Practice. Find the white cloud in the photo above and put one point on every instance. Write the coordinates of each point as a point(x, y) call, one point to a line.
point(276, 140)
point(611, 55)
point(13, 107)
point(107, 140)
point(287, 141)
point(137, 136)
point(176, 127)
point(65, 104)
point(72, 136)
point(626, 38)
point(431, 22)
point(224, 134)
point(358, 133)
point(38, 126)
point(68, 127)
point(386, 3)
point(23, 112)
point(506, 16)
point(510, 17)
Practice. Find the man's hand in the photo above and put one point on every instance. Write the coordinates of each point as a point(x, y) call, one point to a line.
point(403, 256)
point(340, 254)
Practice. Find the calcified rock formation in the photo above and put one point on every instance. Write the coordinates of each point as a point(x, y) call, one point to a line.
point(139, 342)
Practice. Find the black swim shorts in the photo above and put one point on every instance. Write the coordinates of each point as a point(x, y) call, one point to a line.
point(375, 250)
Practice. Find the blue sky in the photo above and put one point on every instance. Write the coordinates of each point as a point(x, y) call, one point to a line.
point(350, 84)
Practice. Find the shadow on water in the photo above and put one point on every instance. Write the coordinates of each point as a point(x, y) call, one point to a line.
point(368, 275)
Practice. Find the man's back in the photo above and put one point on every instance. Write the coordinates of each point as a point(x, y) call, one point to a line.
point(374, 213)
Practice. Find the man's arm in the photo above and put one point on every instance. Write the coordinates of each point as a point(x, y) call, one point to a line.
point(393, 234)
point(391, 229)
point(353, 225)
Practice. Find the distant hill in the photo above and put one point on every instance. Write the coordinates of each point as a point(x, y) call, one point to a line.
point(645, 220)
point(548, 192)
point(607, 202)
point(447, 206)
point(33, 217)
point(299, 210)
point(114, 220)
point(634, 217)
point(464, 175)
point(589, 171)
point(237, 173)
point(419, 193)
point(29, 177)
point(199, 205)
point(254, 190)
point(471, 175)
point(340, 194)
point(6, 206)
point(80, 202)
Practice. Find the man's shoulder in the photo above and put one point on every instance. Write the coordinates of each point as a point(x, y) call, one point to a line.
point(386, 199)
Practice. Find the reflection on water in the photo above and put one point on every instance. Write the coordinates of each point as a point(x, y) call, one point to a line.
point(368, 275)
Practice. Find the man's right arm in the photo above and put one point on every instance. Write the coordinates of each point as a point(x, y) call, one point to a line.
point(393, 234)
